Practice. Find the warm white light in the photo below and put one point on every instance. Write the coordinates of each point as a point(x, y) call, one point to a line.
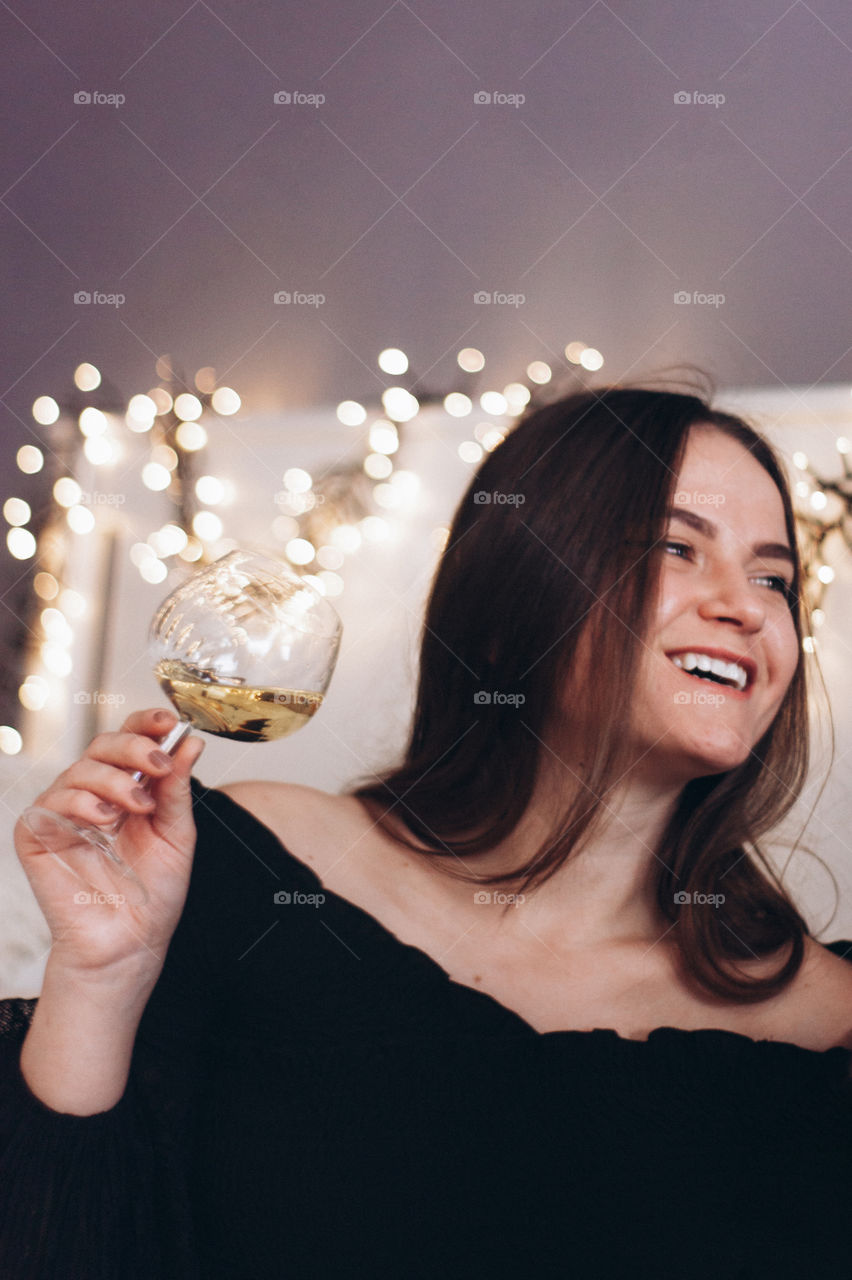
point(574, 351)
point(843, 444)
point(21, 543)
point(10, 740)
point(351, 413)
point(457, 404)
point(297, 480)
point(819, 500)
point(470, 451)
point(30, 459)
point(378, 466)
point(191, 436)
point(226, 401)
point(386, 496)
point(818, 617)
point(438, 537)
point(56, 659)
point(161, 400)
point(165, 455)
point(373, 529)
point(16, 511)
point(72, 603)
point(188, 407)
point(205, 379)
point(140, 552)
point(330, 557)
point(538, 371)
point(92, 422)
point(471, 360)
point(153, 571)
point(99, 451)
point(56, 626)
point(33, 693)
point(384, 437)
point(517, 395)
point(825, 573)
point(809, 644)
point(407, 483)
point(299, 551)
point(393, 361)
point(155, 476)
point(207, 525)
point(80, 519)
point(800, 460)
point(491, 439)
point(168, 541)
point(209, 489)
point(45, 586)
point(285, 527)
point(591, 359)
point(493, 402)
point(45, 410)
point(346, 538)
point(141, 412)
point(87, 377)
point(399, 404)
point(192, 551)
point(67, 492)
point(332, 582)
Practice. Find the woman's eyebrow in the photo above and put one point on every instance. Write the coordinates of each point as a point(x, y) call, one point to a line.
point(765, 550)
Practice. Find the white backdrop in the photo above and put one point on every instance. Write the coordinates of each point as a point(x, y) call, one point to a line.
point(364, 720)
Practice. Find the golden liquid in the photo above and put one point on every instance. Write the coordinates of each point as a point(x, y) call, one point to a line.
point(232, 710)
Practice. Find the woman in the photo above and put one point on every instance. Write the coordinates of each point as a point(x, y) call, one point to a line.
point(531, 1002)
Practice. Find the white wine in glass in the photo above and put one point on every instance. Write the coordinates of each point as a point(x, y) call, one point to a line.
point(244, 648)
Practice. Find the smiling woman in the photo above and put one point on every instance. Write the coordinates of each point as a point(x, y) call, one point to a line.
point(575, 603)
point(344, 1055)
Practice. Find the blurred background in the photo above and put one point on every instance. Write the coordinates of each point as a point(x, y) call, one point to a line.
point(282, 274)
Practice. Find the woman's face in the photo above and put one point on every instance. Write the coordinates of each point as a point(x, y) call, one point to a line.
point(721, 593)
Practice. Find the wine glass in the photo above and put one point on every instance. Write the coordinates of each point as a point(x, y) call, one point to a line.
point(245, 649)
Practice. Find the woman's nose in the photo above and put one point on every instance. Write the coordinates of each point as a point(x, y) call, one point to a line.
point(728, 596)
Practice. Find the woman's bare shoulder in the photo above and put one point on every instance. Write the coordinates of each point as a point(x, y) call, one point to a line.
point(286, 801)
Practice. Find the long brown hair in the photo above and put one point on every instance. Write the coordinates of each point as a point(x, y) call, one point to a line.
point(543, 546)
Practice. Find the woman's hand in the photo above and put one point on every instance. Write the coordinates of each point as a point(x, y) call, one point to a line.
point(116, 941)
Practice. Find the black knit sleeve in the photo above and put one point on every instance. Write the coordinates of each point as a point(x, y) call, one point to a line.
point(106, 1195)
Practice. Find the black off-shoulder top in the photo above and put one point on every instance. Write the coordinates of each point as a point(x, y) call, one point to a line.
point(309, 1097)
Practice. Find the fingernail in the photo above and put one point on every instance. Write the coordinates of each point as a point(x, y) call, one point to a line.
point(105, 807)
point(142, 796)
point(161, 716)
point(160, 760)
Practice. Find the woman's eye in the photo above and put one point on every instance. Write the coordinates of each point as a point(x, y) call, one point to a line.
point(776, 583)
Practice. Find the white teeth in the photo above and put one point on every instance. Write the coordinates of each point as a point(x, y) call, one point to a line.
point(729, 671)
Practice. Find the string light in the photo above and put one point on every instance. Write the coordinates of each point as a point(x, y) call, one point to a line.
point(30, 460)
